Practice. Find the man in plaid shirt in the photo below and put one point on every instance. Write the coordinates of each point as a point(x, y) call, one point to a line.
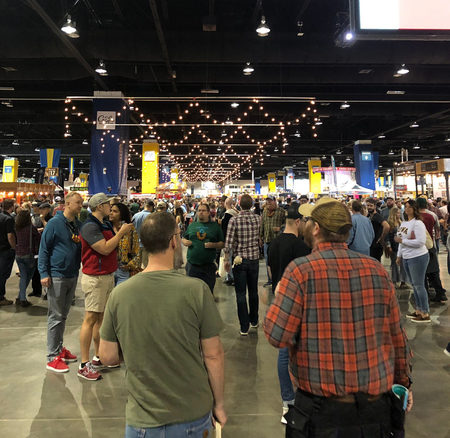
point(337, 312)
point(242, 241)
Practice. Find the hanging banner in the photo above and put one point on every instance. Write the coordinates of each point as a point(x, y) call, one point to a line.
point(272, 180)
point(150, 167)
point(71, 165)
point(10, 169)
point(50, 157)
point(315, 179)
point(258, 186)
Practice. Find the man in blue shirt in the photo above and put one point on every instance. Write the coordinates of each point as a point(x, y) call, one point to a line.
point(138, 220)
point(59, 263)
point(362, 234)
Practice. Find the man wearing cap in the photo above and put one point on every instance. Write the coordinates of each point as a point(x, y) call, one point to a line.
point(138, 220)
point(161, 206)
point(286, 247)
point(99, 258)
point(36, 215)
point(45, 213)
point(272, 219)
point(337, 312)
point(59, 205)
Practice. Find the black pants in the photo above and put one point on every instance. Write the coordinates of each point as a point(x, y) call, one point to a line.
point(36, 283)
point(321, 417)
point(6, 263)
point(207, 273)
point(376, 251)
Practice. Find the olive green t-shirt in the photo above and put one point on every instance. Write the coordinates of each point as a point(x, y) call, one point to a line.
point(200, 233)
point(159, 319)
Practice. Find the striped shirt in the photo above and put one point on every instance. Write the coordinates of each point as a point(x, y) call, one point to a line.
point(243, 235)
point(337, 312)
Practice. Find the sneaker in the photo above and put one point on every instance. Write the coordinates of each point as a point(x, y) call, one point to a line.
point(5, 302)
point(412, 315)
point(254, 326)
point(34, 294)
point(243, 333)
point(67, 356)
point(269, 283)
point(97, 364)
point(57, 365)
point(447, 350)
point(285, 411)
point(23, 303)
point(88, 372)
point(421, 319)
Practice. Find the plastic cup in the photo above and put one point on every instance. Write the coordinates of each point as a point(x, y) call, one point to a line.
point(402, 393)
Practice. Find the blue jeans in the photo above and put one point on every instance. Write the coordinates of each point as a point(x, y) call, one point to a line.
point(287, 391)
point(415, 269)
point(207, 273)
point(397, 272)
point(246, 276)
point(193, 429)
point(27, 266)
point(120, 276)
point(266, 255)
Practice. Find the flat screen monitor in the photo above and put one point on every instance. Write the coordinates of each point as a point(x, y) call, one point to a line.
point(403, 17)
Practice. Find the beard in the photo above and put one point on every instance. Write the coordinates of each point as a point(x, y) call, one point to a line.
point(178, 258)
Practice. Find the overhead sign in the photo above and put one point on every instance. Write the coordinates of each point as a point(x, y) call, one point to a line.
point(149, 156)
point(330, 169)
point(106, 120)
point(405, 167)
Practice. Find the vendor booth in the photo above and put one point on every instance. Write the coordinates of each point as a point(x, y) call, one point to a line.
point(25, 191)
point(405, 180)
point(432, 178)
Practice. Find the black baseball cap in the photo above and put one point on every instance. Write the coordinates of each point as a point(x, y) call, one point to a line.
point(292, 212)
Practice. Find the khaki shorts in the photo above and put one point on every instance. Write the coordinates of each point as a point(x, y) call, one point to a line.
point(96, 290)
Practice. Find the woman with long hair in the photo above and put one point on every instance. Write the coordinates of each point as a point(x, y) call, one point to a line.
point(413, 253)
point(128, 250)
point(27, 249)
point(179, 218)
point(398, 273)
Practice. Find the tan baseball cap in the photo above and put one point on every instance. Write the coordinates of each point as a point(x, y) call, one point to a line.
point(329, 214)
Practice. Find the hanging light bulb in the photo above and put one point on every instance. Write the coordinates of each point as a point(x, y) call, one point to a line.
point(101, 69)
point(263, 29)
point(403, 70)
point(69, 28)
point(248, 69)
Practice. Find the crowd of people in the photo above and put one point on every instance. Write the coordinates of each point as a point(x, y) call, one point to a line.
point(333, 310)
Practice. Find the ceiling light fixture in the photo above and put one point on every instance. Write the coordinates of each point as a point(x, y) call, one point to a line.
point(403, 70)
point(339, 152)
point(396, 92)
point(300, 32)
point(248, 69)
point(381, 136)
point(447, 139)
point(349, 36)
point(101, 69)
point(319, 122)
point(414, 125)
point(391, 152)
point(234, 105)
point(345, 105)
point(85, 142)
point(297, 134)
point(436, 157)
point(416, 146)
point(15, 142)
point(263, 29)
point(69, 28)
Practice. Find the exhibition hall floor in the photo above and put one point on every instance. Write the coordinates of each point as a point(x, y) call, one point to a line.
point(40, 404)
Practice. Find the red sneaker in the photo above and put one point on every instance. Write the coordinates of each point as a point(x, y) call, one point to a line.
point(67, 356)
point(97, 364)
point(58, 365)
point(88, 372)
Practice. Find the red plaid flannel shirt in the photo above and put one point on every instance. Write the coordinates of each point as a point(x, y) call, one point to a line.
point(337, 312)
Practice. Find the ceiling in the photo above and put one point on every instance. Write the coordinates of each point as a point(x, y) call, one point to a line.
point(157, 52)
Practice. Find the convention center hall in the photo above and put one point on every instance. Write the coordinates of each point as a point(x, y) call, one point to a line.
point(225, 219)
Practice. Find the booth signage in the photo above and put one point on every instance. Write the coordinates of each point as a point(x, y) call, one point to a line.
point(429, 166)
point(330, 169)
point(149, 156)
point(405, 167)
point(106, 120)
point(78, 189)
point(401, 188)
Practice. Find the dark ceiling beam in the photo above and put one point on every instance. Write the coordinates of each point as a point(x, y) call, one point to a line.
point(118, 10)
point(162, 42)
point(33, 4)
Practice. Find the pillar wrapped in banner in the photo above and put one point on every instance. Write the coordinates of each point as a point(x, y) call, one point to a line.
point(258, 186)
point(272, 181)
point(315, 178)
point(150, 167)
point(10, 169)
point(289, 179)
point(174, 175)
point(109, 145)
point(366, 161)
point(164, 174)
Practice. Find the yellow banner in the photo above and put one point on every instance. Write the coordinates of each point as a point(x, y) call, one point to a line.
point(10, 169)
point(83, 179)
point(174, 175)
point(150, 167)
point(315, 179)
point(272, 179)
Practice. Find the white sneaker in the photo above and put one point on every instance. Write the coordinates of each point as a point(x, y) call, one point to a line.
point(285, 411)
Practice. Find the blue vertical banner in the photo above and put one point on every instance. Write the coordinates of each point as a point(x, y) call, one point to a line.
point(50, 157)
point(365, 161)
point(258, 186)
point(109, 145)
point(164, 174)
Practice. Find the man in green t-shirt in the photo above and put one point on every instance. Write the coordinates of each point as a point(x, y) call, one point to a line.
point(167, 327)
point(203, 237)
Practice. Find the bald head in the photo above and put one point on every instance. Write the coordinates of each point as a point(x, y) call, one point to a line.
point(229, 203)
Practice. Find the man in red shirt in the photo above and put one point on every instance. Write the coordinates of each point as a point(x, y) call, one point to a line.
point(337, 312)
point(99, 259)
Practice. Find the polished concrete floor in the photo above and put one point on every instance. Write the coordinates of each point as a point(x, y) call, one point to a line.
point(36, 403)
